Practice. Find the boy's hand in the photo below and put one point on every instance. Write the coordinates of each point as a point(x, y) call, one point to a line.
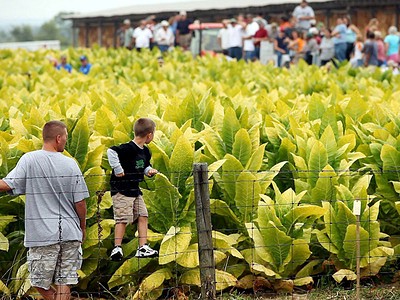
point(152, 172)
point(120, 174)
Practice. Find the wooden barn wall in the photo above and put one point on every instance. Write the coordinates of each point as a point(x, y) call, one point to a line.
point(360, 16)
point(88, 35)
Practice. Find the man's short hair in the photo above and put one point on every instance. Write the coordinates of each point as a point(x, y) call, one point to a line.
point(52, 129)
point(144, 126)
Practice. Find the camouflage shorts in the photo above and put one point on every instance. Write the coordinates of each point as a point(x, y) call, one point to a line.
point(128, 209)
point(56, 263)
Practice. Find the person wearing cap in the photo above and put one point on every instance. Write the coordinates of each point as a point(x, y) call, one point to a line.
point(127, 31)
point(85, 65)
point(142, 36)
point(235, 31)
point(64, 64)
point(303, 14)
point(164, 36)
point(183, 33)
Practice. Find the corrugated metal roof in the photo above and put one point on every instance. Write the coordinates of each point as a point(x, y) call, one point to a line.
point(187, 6)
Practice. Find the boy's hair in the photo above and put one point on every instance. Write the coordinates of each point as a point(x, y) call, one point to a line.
point(52, 129)
point(144, 126)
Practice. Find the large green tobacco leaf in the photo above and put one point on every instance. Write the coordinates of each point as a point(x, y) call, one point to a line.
point(316, 108)
point(4, 244)
point(94, 158)
point(230, 127)
point(223, 279)
point(331, 228)
point(98, 232)
point(160, 158)
point(242, 146)
point(357, 106)
point(4, 289)
point(256, 159)
point(267, 212)
point(124, 274)
point(324, 189)
point(175, 242)
point(5, 220)
point(350, 244)
point(230, 170)
point(317, 161)
point(181, 162)
point(162, 204)
point(247, 195)
point(302, 214)
point(286, 201)
point(80, 140)
point(391, 162)
point(265, 178)
point(329, 142)
point(211, 139)
point(103, 125)
point(298, 255)
point(151, 283)
point(190, 257)
point(225, 243)
point(221, 208)
point(271, 240)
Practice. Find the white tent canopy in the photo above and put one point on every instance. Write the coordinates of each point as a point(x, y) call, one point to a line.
point(187, 6)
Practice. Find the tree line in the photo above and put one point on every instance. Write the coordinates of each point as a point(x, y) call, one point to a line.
point(55, 29)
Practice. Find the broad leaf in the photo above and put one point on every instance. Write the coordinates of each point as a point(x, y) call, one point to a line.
point(181, 162)
point(175, 242)
point(247, 195)
point(242, 146)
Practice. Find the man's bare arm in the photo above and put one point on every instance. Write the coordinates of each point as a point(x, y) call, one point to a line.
point(4, 186)
point(80, 208)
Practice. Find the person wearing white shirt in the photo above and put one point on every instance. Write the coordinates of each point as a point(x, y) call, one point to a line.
point(248, 43)
point(164, 36)
point(223, 37)
point(142, 36)
point(235, 31)
point(303, 14)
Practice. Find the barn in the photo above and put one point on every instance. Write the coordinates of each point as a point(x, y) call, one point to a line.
point(101, 27)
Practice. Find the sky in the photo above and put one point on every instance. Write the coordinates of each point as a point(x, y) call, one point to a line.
point(35, 12)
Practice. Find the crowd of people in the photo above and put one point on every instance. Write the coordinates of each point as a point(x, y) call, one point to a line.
point(164, 34)
point(295, 37)
point(299, 36)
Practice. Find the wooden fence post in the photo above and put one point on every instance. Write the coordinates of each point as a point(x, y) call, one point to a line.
point(204, 231)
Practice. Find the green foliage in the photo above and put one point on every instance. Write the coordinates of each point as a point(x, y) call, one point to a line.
point(286, 163)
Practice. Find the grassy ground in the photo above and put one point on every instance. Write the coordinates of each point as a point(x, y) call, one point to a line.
point(386, 292)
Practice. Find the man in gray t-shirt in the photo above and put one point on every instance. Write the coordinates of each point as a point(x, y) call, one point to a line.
point(55, 211)
point(303, 14)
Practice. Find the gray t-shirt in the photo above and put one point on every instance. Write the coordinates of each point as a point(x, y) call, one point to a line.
point(299, 12)
point(52, 183)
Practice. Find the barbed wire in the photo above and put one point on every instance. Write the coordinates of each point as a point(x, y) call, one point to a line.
point(102, 243)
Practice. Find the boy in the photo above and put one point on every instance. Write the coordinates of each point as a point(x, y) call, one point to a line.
point(130, 162)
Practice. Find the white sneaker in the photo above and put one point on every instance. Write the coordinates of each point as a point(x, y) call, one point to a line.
point(116, 254)
point(146, 251)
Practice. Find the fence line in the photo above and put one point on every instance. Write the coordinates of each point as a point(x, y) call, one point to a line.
point(239, 236)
